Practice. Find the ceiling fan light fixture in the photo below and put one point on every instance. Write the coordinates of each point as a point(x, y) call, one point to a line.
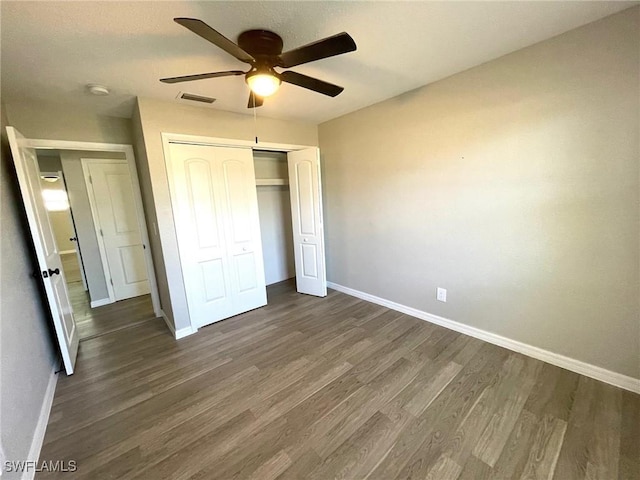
point(263, 83)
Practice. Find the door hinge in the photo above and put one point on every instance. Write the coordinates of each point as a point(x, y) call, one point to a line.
point(111, 280)
point(90, 179)
point(101, 234)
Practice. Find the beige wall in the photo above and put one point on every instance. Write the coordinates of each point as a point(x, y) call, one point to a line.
point(60, 122)
point(155, 117)
point(515, 185)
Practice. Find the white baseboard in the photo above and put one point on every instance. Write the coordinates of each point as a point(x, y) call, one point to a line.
point(101, 302)
point(598, 373)
point(41, 426)
point(184, 332)
point(180, 333)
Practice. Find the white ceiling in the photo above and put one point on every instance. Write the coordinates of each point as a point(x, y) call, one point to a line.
point(51, 50)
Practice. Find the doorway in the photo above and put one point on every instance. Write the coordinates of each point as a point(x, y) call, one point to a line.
point(79, 211)
point(274, 206)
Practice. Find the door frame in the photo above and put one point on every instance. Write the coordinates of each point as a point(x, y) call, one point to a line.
point(168, 137)
point(127, 150)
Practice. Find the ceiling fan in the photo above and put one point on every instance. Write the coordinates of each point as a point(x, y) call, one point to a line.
point(262, 50)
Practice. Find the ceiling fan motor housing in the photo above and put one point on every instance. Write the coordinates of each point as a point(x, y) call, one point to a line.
point(263, 45)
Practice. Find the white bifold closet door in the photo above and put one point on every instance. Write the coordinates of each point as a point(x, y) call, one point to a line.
point(306, 215)
point(218, 230)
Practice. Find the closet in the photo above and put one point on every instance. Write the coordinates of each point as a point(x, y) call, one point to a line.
point(274, 206)
point(244, 219)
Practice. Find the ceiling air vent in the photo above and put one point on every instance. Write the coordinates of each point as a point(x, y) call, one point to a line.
point(195, 98)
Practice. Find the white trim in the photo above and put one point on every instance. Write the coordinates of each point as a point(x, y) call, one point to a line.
point(230, 142)
point(97, 226)
point(263, 182)
point(168, 322)
point(66, 252)
point(41, 426)
point(183, 332)
point(593, 371)
point(101, 302)
point(130, 157)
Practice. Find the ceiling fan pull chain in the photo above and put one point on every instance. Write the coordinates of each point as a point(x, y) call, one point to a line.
point(255, 119)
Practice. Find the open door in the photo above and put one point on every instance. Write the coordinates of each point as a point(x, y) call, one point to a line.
point(306, 212)
point(50, 266)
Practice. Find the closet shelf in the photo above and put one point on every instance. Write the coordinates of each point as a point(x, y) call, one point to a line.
point(271, 181)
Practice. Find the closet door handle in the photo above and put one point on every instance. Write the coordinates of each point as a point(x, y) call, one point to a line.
point(54, 272)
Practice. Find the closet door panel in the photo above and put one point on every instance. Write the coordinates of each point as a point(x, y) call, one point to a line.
point(216, 214)
point(306, 215)
point(199, 207)
point(235, 176)
point(243, 228)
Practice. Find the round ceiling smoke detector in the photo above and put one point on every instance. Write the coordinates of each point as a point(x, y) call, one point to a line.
point(99, 90)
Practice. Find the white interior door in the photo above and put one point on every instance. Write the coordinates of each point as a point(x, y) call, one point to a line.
point(47, 254)
point(217, 226)
point(306, 215)
point(114, 213)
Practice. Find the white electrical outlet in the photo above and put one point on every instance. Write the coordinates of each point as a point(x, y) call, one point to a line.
point(441, 294)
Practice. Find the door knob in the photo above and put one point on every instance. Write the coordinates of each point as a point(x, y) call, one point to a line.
point(73, 239)
point(54, 272)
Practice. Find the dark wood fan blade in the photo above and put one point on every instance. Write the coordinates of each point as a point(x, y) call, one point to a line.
point(328, 47)
point(205, 31)
point(254, 100)
point(201, 76)
point(311, 83)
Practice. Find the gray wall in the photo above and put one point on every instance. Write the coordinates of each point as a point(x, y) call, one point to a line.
point(27, 357)
point(148, 201)
point(154, 117)
point(79, 201)
point(515, 185)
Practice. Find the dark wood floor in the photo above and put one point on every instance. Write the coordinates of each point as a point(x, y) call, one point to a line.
point(310, 388)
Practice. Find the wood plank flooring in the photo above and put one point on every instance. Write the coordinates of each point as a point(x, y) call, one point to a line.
point(93, 322)
point(333, 388)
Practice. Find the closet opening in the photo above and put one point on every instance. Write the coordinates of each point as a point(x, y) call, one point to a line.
point(274, 207)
